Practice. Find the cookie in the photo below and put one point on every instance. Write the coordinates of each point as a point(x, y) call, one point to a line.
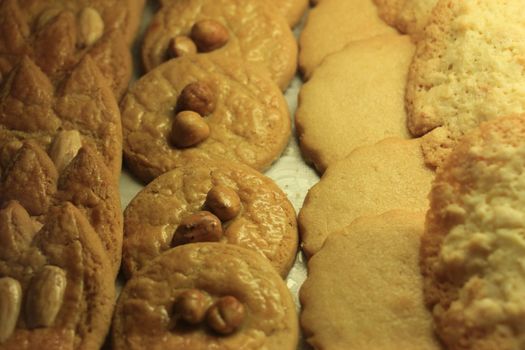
point(246, 118)
point(408, 16)
point(55, 288)
point(249, 209)
point(339, 108)
point(248, 30)
point(364, 289)
point(206, 295)
point(32, 108)
point(371, 180)
point(471, 251)
point(58, 34)
point(332, 24)
point(70, 173)
point(462, 73)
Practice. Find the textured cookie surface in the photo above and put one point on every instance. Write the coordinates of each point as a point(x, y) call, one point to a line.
point(364, 289)
point(371, 180)
point(266, 222)
point(70, 173)
point(292, 10)
point(472, 249)
point(468, 68)
point(58, 34)
point(408, 16)
point(355, 98)
point(249, 123)
point(61, 273)
point(145, 317)
point(332, 24)
point(256, 34)
point(32, 108)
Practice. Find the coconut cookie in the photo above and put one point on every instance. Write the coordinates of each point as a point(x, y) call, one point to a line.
point(356, 97)
point(31, 108)
point(332, 24)
point(67, 172)
point(206, 296)
point(211, 201)
point(463, 74)
point(200, 107)
point(364, 289)
point(58, 34)
point(55, 289)
point(371, 180)
point(408, 16)
point(248, 30)
point(472, 249)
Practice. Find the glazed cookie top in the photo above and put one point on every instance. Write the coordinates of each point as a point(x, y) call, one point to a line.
point(31, 108)
point(473, 247)
point(248, 30)
point(69, 172)
point(199, 107)
point(210, 201)
point(206, 296)
point(55, 291)
point(57, 35)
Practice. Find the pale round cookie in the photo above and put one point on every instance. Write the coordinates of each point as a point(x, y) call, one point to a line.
point(364, 289)
point(245, 112)
point(371, 180)
point(408, 16)
point(265, 221)
point(248, 30)
point(472, 249)
point(355, 98)
point(148, 313)
point(56, 286)
point(462, 73)
point(332, 24)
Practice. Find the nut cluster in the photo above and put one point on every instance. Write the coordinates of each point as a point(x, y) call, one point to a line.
point(206, 35)
point(224, 316)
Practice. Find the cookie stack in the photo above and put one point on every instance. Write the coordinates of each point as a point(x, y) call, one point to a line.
point(449, 71)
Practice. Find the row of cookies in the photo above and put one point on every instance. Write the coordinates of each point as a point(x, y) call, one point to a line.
point(459, 76)
point(64, 66)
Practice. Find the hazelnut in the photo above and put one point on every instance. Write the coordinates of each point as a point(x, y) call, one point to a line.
point(191, 305)
point(181, 45)
point(202, 226)
point(226, 315)
point(223, 202)
point(209, 35)
point(197, 97)
point(188, 129)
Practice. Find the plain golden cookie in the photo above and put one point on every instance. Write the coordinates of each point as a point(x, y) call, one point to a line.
point(371, 180)
point(332, 24)
point(354, 98)
point(56, 286)
point(206, 296)
point(248, 30)
point(261, 219)
point(364, 289)
point(472, 252)
point(465, 70)
point(237, 114)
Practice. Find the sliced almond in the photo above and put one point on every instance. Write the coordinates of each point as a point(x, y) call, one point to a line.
point(64, 148)
point(46, 16)
point(10, 301)
point(45, 296)
point(91, 26)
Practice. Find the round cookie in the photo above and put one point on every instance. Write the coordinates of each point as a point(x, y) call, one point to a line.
point(408, 16)
point(56, 287)
point(364, 289)
point(251, 31)
point(245, 112)
point(147, 315)
point(332, 24)
point(265, 222)
point(473, 245)
point(355, 98)
point(371, 180)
